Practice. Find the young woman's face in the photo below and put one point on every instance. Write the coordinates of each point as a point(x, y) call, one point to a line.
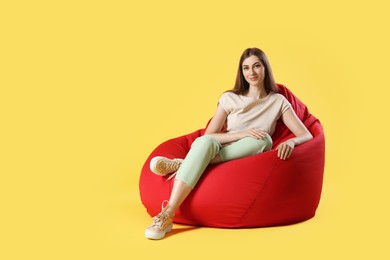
point(253, 70)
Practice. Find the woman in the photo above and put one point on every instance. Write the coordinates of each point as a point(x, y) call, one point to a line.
point(248, 114)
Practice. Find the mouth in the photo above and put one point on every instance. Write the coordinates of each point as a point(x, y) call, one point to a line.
point(253, 78)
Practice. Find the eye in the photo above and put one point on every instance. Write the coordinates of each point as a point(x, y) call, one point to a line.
point(257, 65)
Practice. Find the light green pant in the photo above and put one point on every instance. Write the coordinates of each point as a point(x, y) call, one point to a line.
point(206, 147)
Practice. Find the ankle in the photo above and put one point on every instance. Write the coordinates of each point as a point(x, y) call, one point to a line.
point(167, 209)
point(170, 211)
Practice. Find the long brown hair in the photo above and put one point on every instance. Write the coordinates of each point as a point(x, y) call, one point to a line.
point(242, 86)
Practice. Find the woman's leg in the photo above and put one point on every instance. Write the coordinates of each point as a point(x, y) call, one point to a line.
point(179, 193)
point(244, 147)
point(202, 151)
point(206, 150)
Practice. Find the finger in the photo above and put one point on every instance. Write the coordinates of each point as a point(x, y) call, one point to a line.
point(285, 154)
point(258, 134)
point(253, 133)
point(283, 157)
point(281, 152)
point(290, 152)
point(285, 151)
point(261, 132)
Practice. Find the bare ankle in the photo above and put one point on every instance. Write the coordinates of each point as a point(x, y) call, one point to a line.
point(170, 211)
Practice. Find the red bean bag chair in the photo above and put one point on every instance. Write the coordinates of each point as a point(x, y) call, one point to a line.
point(255, 191)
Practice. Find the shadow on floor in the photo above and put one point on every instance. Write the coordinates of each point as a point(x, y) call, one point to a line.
point(178, 230)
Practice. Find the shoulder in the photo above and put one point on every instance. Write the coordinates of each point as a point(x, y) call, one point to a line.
point(280, 102)
point(228, 100)
point(228, 96)
point(278, 96)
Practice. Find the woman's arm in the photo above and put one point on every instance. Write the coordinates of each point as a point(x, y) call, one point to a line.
point(216, 124)
point(300, 131)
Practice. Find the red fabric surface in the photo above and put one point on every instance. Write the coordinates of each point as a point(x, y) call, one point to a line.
point(255, 191)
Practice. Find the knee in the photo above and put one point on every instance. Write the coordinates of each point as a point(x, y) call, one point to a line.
point(267, 144)
point(259, 145)
point(207, 141)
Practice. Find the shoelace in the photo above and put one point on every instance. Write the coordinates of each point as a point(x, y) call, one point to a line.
point(172, 175)
point(162, 217)
point(172, 164)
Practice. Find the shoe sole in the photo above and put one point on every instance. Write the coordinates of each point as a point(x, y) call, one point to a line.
point(158, 235)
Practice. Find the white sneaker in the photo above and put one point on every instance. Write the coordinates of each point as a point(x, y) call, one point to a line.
point(163, 166)
point(162, 224)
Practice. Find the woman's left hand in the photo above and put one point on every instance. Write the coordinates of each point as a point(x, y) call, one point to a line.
point(285, 149)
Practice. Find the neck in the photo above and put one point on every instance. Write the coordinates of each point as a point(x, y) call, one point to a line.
point(257, 91)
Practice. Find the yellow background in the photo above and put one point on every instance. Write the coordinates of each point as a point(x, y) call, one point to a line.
point(90, 88)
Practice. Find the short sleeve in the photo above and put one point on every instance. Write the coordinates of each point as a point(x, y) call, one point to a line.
point(225, 102)
point(285, 104)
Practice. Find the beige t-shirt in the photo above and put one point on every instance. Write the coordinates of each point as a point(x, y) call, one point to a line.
point(248, 112)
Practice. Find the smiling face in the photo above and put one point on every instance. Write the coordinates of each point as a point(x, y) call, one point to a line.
point(253, 71)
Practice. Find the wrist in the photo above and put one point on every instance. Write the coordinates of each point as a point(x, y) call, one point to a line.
point(291, 142)
point(240, 135)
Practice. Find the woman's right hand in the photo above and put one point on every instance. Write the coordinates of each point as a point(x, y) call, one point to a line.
point(254, 133)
